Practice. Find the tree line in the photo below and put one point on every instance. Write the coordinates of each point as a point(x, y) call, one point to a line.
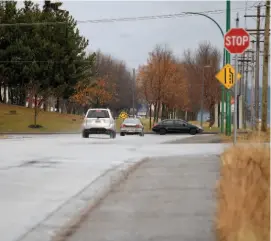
point(43, 55)
point(178, 86)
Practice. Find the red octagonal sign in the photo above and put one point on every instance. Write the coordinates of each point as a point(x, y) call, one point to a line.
point(236, 40)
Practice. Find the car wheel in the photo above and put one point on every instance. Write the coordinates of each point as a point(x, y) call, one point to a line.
point(113, 135)
point(122, 134)
point(163, 131)
point(85, 135)
point(193, 131)
point(141, 134)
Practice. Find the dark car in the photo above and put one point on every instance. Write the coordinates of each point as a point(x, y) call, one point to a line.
point(176, 126)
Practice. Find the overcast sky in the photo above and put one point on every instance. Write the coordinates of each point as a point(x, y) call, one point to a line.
point(131, 41)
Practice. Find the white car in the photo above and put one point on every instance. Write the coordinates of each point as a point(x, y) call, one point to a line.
point(131, 126)
point(99, 121)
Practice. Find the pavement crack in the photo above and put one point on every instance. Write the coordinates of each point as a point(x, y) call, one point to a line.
point(8, 168)
point(45, 162)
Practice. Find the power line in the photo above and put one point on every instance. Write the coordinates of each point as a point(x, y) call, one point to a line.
point(167, 16)
point(126, 19)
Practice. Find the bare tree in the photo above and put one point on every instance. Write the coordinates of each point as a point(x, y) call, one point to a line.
point(205, 55)
point(119, 75)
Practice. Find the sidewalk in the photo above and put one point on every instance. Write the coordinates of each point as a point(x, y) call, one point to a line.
point(165, 199)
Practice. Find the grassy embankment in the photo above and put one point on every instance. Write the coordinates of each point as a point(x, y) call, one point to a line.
point(17, 119)
point(243, 200)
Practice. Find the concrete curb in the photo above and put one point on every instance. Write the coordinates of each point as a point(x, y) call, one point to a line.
point(65, 220)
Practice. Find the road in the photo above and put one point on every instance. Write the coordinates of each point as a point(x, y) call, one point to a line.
point(39, 173)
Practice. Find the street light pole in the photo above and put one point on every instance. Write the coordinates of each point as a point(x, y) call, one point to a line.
point(222, 108)
point(202, 99)
point(202, 95)
point(133, 92)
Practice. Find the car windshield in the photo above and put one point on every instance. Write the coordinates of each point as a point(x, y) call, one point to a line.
point(131, 121)
point(98, 114)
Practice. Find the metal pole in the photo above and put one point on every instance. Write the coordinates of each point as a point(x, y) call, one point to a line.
point(235, 89)
point(257, 67)
point(222, 99)
point(133, 92)
point(265, 68)
point(228, 61)
point(205, 15)
point(245, 105)
point(252, 102)
point(202, 98)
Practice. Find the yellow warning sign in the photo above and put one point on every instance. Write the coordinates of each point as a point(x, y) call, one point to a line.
point(226, 76)
point(123, 115)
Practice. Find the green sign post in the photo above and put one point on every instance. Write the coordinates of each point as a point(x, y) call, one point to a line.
point(228, 61)
point(222, 110)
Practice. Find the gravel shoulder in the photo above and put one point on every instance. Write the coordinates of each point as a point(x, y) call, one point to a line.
point(170, 198)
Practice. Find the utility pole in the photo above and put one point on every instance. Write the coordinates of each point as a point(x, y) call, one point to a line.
point(133, 92)
point(242, 92)
point(242, 70)
point(245, 93)
point(257, 67)
point(257, 60)
point(258, 32)
point(265, 67)
point(252, 101)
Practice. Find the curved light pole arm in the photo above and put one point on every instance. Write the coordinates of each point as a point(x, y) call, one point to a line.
point(204, 15)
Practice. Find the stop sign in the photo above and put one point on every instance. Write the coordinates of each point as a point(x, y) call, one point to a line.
point(236, 40)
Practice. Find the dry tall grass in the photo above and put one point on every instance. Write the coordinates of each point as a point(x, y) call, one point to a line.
point(243, 212)
point(250, 136)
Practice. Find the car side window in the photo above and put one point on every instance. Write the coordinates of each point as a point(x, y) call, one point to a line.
point(179, 122)
point(168, 122)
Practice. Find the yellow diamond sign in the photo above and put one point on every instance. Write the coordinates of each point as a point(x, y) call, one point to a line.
point(226, 76)
point(123, 115)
